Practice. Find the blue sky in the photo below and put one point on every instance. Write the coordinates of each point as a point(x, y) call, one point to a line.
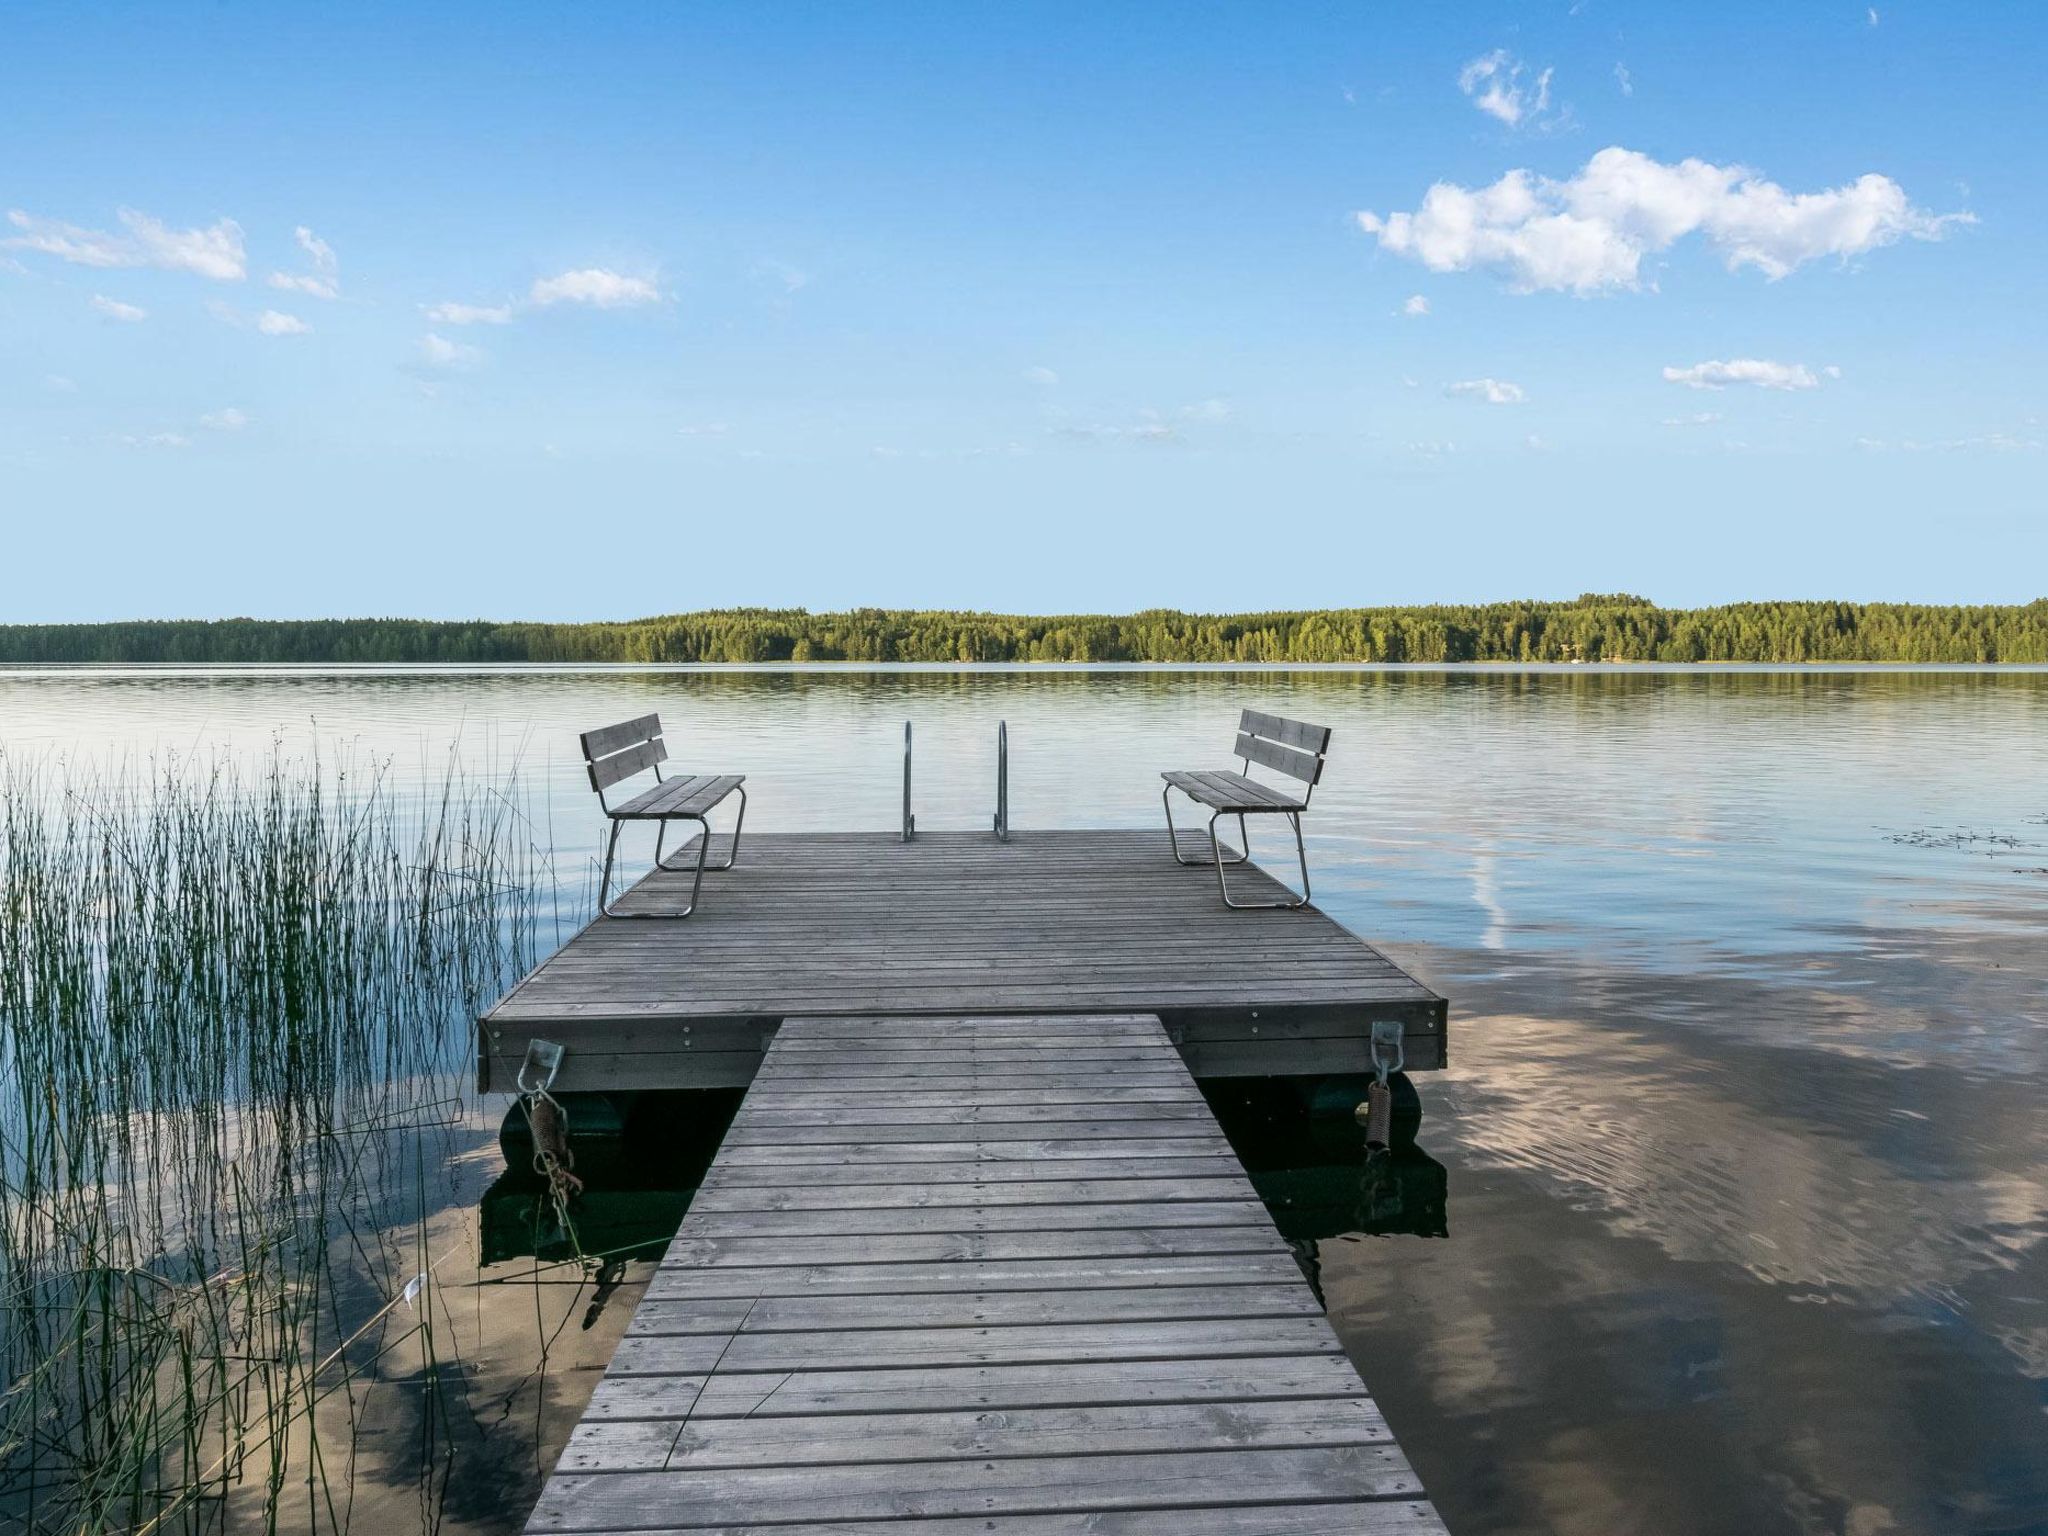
point(572, 312)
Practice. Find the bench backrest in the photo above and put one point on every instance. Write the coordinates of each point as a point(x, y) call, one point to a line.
point(1291, 746)
point(615, 752)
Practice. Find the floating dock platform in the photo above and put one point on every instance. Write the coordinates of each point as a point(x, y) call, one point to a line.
point(816, 925)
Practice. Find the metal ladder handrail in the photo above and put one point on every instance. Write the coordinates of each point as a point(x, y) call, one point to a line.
point(1002, 781)
point(909, 821)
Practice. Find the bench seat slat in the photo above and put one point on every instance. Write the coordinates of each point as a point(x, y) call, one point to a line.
point(1231, 792)
point(689, 794)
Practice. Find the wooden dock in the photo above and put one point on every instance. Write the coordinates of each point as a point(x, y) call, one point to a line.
point(990, 1275)
point(1048, 923)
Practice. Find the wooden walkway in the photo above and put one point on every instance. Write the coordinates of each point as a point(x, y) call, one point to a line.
point(1000, 1276)
point(1061, 922)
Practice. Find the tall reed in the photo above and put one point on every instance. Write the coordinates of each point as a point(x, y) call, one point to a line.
point(225, 992)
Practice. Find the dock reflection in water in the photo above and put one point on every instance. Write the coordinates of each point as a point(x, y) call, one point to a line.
point(642, 1157)
point(1306, 1156)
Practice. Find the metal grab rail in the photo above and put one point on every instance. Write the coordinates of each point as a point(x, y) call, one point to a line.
point(909, 821)
point(1002, 781)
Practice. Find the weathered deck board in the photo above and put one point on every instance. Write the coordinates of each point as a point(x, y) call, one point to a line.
point(1050, 923)
point(1088, 1341)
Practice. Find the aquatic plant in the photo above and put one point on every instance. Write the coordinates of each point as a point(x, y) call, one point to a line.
point(233, 1002)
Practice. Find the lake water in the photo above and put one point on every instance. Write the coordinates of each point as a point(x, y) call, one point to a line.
point(1733, 1207)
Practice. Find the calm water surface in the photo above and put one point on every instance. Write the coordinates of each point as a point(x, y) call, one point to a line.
point(1733, 1207)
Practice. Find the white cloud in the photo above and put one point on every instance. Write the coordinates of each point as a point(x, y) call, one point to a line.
point(114, 309)
point(322, 282)
point(1990, 442)
point(306, 283)
point(1041, 376)
point(321, 253)
point(158, 440)
point(1415, 306)
point(1872, 14)
point(1592, 232)
point(439, 352)
point(470, 314)
point(231, 419)
point(275, 322)
point(1621, 78)
point(1494, 82)
point(1696, 419)
point(595, 286)
point(214, 252)
point(1432, 450)
point(1492, 391)
point(1761, 372)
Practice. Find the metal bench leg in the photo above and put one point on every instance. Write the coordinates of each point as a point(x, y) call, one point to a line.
point(1222, 885)
point(732, 854)
point(604, 881)
point(732, 857)
point(611, 848)
point(1166, 799)
point(703, 851)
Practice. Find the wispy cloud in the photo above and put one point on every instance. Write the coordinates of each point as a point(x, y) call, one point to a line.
point(1041, 376)
point(1156, 434)
point(1496, 84)
point(323, 282)
point(156, 440)
point(214, 251)
point(1415, 306)
point(786, 277)
point(1696, 419)
point(1623, 79)
point(1985, 442)
point(230, 419)
point(115, 309)
point(437, 351)
point(703, 429)
point(1492, 391)
point(275, 322)
point(470, 314)
point(595, 286)
point(1592, 232)
point(1761, 372)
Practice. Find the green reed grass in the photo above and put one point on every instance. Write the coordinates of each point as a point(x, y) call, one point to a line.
point(224, 992)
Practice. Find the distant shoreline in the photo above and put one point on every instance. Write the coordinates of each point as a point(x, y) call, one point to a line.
point(1597, 630)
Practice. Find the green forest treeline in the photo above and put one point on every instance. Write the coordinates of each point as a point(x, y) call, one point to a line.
point(1590, 628)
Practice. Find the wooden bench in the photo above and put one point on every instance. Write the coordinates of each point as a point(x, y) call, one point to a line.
point(1287, 746)
point(616, 753)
